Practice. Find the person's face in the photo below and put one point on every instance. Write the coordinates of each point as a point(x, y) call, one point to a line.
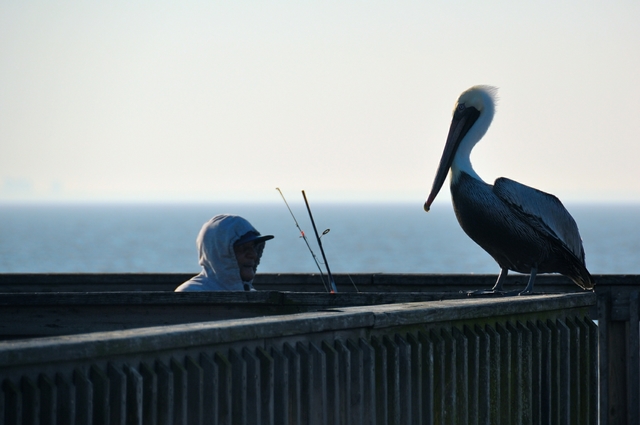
point(247, 256)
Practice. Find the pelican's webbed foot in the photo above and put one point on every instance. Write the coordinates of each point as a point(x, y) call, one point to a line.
point(497, 288)
point(487, 292)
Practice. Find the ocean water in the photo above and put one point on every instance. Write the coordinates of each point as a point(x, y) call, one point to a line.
point(363, 238)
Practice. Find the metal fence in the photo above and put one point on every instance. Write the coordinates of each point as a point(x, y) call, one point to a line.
point(510, 360)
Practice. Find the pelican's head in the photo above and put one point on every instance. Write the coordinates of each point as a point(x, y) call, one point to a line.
point(479, 97)
point(472, 115)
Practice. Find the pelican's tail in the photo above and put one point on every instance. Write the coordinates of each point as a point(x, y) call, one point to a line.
point(583, 278)
point(575, 268)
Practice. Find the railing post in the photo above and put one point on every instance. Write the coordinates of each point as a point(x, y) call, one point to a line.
point(633, 346)
point(616, 369)
point(604, 309)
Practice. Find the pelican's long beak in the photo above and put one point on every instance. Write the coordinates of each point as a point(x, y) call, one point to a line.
point(463, 119)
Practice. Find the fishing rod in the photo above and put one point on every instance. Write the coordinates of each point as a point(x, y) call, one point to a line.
point(326, 263)
point(303, 236)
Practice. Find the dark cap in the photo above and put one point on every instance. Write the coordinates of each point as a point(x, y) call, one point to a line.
point(253, 237)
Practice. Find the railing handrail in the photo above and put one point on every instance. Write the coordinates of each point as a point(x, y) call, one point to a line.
point(90, 345)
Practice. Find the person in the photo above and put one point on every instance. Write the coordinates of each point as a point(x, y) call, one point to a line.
point(229, 248)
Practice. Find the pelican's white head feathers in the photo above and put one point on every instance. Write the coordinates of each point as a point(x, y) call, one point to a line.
point(482, 98)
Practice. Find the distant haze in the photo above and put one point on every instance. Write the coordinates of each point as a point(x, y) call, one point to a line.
point(201, 100)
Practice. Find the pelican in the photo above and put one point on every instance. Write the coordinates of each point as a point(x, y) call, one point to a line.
point(524, 229)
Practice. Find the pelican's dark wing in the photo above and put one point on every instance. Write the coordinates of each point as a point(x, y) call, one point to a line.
point(544, 211)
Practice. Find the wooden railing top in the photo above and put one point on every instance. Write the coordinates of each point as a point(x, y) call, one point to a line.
point(183, 336)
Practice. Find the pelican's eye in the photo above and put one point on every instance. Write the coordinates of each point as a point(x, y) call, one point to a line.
point(460, 107)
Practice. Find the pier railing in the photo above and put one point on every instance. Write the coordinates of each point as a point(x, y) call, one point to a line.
point(461, 361)
point(127, 301)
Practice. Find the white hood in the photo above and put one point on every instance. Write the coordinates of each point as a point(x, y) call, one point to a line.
point(220, 271)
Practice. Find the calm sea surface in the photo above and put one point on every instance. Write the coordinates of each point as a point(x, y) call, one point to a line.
point(390, 238)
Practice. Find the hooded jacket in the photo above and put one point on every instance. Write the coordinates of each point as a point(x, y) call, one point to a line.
point(220, 271)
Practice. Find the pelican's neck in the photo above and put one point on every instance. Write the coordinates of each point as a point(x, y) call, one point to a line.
point(462, 159)
point(462, 163)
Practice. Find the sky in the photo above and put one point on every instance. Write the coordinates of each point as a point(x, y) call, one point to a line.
point(348, 100)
